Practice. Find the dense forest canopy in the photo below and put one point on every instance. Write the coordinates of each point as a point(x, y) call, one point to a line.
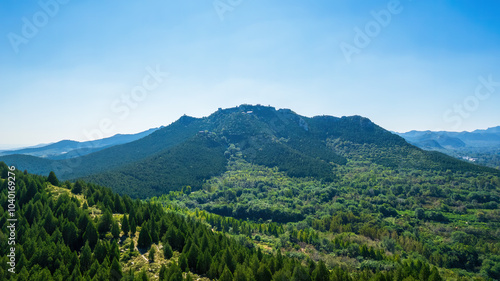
point(254, 193)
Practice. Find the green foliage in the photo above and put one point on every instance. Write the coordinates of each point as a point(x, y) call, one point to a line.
point(125, 225)
point(52, 178)
point(151, 255)
point(144, 240)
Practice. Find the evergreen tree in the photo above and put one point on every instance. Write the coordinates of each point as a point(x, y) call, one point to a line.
point(100, 251)
point(49, 222)
point(105, 222)
point(143, 276)
point(240, 273)
point(115, 230)
point(144, 240)
point(77, 187)
point(86, 258)
point(229, 260)
point(321, 273)
point(131, 248)
point(151, 255)
point(70, 234)
point(163, 272)
point(91, 235)
point(53, 179)
point(192, 257)
point(300, 274)
point(115, 271)
point(183, 264)
point(227, 275)
point(133, 227)
point(76, 275)
point(125, 225)
point(167, 250)
point(114, 252)
point(263, 273)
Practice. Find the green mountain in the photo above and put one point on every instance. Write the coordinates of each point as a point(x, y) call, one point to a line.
point(191, 150)
point(86, 232)
point(255, 193)
point(66, 149)
point(479, 146)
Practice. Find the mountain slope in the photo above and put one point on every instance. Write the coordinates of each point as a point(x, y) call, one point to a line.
point(479, 146)
point(69, 149)
point(171, 157)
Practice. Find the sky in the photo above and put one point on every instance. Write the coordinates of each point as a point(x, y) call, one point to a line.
point(84, 70)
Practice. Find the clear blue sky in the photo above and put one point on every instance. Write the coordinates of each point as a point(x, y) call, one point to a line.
point(67, 68)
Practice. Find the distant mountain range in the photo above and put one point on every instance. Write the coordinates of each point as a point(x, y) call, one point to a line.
point(480, 146)
point(192, 150)
point(66, 149)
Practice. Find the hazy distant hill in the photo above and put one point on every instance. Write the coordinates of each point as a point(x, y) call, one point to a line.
point(480, 146)
point(191, 150)
point(66, 149)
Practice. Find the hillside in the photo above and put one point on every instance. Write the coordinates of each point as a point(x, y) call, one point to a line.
point(82, 231)
point(66, 149)
point(191, 150)
point(479, 146)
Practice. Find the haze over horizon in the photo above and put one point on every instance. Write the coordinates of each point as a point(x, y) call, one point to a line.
point(406, 65)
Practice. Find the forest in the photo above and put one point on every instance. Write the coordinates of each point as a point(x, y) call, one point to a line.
point(80, 231)
point(259, 194)
point(369, 217)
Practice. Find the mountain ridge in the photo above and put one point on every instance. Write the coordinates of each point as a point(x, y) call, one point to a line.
point(166, 159)
point(65, 149)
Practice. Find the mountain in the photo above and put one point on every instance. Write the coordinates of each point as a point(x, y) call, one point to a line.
point(192, 150)
point(256, 193)
point(86, 232)
point(66, 149)
point(480, 146)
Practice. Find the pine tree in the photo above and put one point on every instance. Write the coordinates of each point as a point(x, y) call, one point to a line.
point(115, 271)
point(105, 222)
point(77, 187)
point(240, 273)
point(114, 251)
point(115, 230)
point(229, 260)
point(167, 250)
point(133, 227)
point(144, 240)
point(183, 264)
point(163, 272)
point(151, 255)
point(50, 222)
point(86, 258)
point(100, 251)
point(91, 235)
point(53, 179)
point(76, 275)
point(125, 225)
point(263, 273)
point(143, 276)
point(300, 274)
point(131, 248)
point(70, 235)
point(192, 257)
point(321, 273)
point(227, 275)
